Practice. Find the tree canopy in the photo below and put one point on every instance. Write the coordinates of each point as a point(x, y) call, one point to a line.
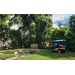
point(35, 25)
point(4, 27)
point(35, 29)
point(71, 34)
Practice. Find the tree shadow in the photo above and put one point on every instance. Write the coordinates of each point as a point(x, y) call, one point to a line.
point(56, 55)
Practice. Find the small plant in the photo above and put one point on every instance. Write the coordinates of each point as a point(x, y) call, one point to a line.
point(30, 51)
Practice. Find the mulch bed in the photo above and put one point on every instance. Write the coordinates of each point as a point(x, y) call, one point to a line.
point(27, 53)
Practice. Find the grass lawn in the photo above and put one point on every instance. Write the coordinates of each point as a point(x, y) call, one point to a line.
point(40, 55)
point(9, 50)
point(6, 50)
point(5, 56)
point(46, 55)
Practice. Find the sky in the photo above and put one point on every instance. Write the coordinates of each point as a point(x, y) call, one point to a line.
point(14, 27)
point(63, 18)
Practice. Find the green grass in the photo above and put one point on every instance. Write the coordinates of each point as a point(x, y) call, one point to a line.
point(9, 50)
point(5, 56)
point(46, 55)
point(40, 55)
point(6, 50)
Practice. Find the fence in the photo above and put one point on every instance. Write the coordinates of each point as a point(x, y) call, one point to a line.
point(34, 46)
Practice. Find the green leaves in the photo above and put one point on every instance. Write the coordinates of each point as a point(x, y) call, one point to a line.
point(4, 28)
point(60, 24)
point(36, 26)
point(71, 34)
point(43, 26)
point(58, 34)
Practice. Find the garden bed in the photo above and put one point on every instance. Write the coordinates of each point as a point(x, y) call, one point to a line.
point(12, 52)
point(28, 52)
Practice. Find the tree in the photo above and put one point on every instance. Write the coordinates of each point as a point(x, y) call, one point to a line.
point(60, 24)
point(4, 27)
point(35, 24)
point(58, 34)
point(17, 41)
point(25, 24)
point(70, 38)
point(66, 24)
point(43, 26)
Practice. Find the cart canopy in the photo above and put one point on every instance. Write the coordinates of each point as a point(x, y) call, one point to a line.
point(58, 40)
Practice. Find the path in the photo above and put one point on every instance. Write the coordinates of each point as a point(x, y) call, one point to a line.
point(1, 53)
point(23, 55)
point(12, 58)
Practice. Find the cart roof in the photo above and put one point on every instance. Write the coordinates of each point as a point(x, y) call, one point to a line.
point(58, 40)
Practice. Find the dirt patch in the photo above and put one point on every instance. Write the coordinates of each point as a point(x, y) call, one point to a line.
point(1, 53)
point(22, 55)
point(25, 53)
point(12, 58)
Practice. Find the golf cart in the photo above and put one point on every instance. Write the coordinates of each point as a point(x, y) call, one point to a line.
point(57, 46)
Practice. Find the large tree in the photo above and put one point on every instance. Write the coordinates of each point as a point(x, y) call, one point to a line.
point(70, 38)
point(43, 27)
point(26, 25)
point(36, 24)
point(4, 26)
point(58, 34)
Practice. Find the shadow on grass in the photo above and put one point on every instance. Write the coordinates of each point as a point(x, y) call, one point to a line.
point(46, 53)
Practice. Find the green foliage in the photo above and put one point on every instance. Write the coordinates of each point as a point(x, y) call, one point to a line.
point(43, 26)
point(16, 39)
point(58, 34)
point(38, 26)
point(66, 24)
point(70, 37)
point(60, 24)
point(4, 27)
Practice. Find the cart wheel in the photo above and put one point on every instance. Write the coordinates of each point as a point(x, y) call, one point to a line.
point(59, 51)
point(64, 52)
point(50, 50)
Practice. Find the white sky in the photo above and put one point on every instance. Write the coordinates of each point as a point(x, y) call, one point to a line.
point(59, 17)
point(55, 26)
point(14, 27)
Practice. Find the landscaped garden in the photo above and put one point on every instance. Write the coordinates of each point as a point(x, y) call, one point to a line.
point(36, 31)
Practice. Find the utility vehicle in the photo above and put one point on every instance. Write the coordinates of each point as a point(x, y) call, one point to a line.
point(58, 46)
